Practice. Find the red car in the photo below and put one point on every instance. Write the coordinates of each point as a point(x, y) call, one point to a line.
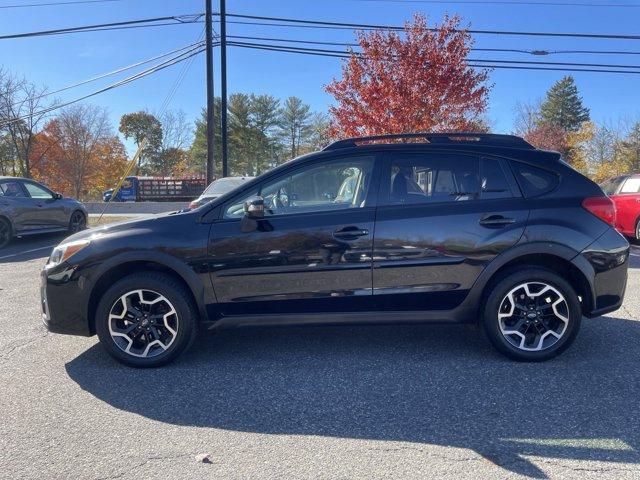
point(625, 193)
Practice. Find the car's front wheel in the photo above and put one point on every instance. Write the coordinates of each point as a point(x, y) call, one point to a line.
point(77, 222)
point(146, 320)
point(531, 314)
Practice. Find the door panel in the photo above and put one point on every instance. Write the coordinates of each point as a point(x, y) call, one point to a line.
point(431, 246)
point(311, 253)
point(46, 211)
point(293, 264)
point(429, 256)
point(17, 205)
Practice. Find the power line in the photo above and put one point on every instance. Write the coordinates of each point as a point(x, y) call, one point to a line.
point(472, 60)
point(156, 68)
point(474, 49)
point(329, 53)
point(113, 72)
point(362, 26)
point(181, 77)
point(50, 4)
point(174, 19)
point(510, 2)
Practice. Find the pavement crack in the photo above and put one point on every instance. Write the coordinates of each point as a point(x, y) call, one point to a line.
point(144, 461)
point(19, 344)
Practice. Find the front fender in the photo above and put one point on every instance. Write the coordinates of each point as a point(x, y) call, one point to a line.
point(178, 266)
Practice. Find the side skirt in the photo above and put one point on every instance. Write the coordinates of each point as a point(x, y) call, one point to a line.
point(27, 233)
point(358, 318)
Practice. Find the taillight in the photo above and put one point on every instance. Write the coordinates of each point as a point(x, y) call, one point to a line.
point(601, 207)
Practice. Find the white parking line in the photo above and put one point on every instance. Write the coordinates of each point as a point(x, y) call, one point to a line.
point(27, 251)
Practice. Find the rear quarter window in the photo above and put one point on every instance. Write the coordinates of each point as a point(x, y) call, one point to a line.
point(631, 185)
point(534, 181)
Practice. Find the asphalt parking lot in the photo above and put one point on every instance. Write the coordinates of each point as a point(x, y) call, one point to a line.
point(392, 402)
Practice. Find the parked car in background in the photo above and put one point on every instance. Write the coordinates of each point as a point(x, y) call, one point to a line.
point(625, 193)
point(217, 188)
point(461, 228)
point(156, 189)
point(28, 207)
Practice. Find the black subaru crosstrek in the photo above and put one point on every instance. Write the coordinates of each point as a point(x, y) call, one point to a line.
point(457, 228)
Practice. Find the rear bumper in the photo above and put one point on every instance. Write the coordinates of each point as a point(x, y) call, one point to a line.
point(62, 309)
point(607, 260)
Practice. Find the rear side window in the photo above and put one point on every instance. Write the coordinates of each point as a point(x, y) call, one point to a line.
point(494, 181)
point(534, 181)
point(416, 178)
point(11, 188)
point(631, 185)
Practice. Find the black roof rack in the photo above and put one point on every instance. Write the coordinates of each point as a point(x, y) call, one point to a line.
point(467, 138)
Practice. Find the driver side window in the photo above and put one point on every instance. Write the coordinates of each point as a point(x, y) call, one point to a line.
point(36, 191)
point(335, 185)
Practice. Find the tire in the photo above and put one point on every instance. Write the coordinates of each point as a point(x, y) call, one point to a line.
point(77, 222)
point(6, 233)
point(139, 347)
point(547, 320)
point(637, 233)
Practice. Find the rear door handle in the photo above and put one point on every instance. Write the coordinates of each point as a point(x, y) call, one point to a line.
point(495, 221)
point(350, 233)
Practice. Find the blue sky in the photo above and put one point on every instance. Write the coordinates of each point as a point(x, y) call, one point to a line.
point(60, 60)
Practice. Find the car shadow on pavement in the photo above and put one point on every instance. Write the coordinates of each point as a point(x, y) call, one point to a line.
point(422, 384)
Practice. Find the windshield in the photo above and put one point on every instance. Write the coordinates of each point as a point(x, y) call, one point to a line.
point(224, 185)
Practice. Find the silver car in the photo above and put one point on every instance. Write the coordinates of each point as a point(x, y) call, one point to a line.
point(217, 188)
point(28, 207)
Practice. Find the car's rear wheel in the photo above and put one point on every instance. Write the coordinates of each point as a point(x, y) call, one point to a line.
point(5, 233)
point(531, 314)
point(638, 229)
point(146, 320)
point(77, 222)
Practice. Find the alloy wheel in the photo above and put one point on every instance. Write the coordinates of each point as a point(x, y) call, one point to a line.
point(78, 222)
point(143, 323)
point(533, 316)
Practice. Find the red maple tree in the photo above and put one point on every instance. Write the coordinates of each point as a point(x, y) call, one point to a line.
point(419, 81)
point(548, 137)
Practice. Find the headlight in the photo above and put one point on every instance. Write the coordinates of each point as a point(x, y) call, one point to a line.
point(64, 251)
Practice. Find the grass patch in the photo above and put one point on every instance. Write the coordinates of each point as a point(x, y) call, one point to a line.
point(106, 220)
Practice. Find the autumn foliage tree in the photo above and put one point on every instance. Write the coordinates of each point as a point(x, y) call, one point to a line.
point(77, 153)
point(419, 81)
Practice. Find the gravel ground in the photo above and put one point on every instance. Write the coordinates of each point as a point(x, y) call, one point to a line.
point(377, 402)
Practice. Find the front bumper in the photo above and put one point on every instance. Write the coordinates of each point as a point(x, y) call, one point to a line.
point(63, 307)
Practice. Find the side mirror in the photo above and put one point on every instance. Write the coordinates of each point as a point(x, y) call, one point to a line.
point(254, 207)
point(57, 196)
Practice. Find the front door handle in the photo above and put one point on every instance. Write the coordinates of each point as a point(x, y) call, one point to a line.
point(495, 221)
point(350, 233)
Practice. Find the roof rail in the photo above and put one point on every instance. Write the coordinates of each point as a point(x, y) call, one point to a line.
point(467, 138)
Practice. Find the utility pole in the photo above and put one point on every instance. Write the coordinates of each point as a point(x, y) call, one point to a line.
point(210, 118)
point(223, 86)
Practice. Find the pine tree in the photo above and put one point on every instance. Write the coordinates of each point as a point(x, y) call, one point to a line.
point(563, 106)
point(295, 118)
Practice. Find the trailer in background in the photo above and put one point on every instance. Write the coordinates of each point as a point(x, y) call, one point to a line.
point(157, 189)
